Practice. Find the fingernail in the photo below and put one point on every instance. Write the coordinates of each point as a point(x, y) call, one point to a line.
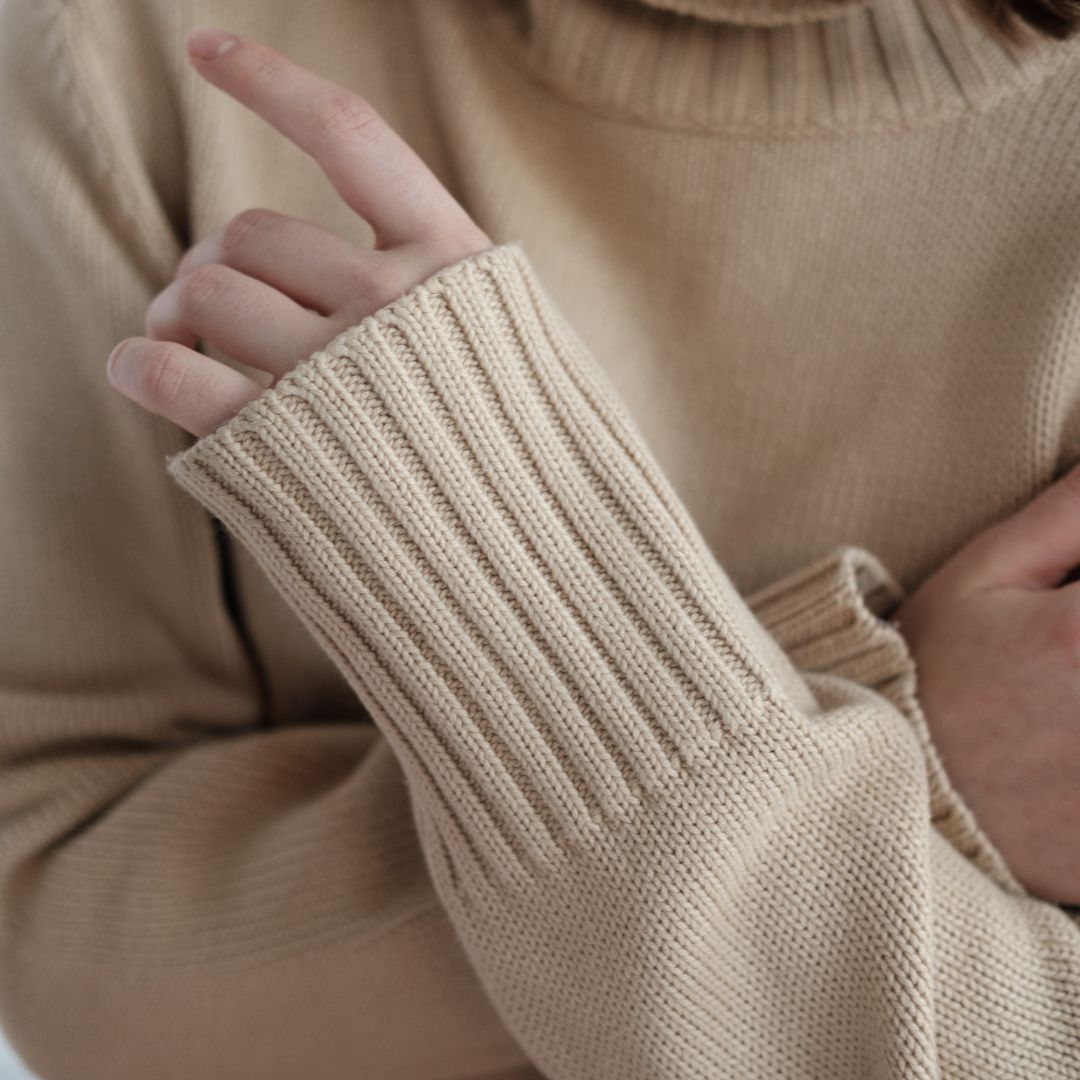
point(208, 43)
point(110, 369)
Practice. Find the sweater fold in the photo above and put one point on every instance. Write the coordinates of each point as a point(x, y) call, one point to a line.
point(831, 617)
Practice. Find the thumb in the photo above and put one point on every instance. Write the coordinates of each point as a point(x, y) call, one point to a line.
point(1035, 547)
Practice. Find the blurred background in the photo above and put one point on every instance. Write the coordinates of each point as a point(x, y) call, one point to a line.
point(10, 1066)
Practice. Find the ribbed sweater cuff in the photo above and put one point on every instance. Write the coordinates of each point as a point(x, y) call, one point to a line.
point(831, 616)
point(469, 523)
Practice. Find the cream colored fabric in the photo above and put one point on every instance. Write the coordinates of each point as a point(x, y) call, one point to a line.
point(513, 680)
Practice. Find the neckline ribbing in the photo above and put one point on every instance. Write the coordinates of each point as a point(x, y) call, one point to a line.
point(833, 66)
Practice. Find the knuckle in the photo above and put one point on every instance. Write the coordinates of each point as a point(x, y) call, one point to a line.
point(198, 286)
point(372, 283)
point(340, 114)
point(239, 227)
point(163, 375)
point(360, 280)
point(394, 281)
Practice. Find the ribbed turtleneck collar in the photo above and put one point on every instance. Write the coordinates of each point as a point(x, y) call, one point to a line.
point(772, 66)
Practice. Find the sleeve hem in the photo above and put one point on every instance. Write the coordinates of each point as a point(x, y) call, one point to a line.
point(472, 527)
point(831, 617)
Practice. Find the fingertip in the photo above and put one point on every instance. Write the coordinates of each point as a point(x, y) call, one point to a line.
point(208, 42)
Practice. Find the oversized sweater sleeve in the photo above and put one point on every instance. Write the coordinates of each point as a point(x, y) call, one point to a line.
point(666, 850)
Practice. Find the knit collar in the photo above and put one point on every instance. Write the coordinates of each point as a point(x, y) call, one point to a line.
point(772, 66)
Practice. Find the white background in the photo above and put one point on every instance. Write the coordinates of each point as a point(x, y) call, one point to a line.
point(10, 1068)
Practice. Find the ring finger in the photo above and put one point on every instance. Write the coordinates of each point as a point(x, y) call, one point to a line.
point(245, 318)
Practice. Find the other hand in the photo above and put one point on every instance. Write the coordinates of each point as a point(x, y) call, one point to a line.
point(995, 633)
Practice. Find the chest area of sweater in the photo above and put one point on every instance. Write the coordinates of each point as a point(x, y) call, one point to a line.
point(813, 367)
point(868, 340)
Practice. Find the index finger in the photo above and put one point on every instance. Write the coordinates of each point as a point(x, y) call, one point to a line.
point(373, 169)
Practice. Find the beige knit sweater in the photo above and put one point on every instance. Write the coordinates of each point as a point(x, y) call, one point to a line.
point(506, 692)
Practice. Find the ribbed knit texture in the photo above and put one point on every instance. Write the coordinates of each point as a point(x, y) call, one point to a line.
point(510, 690)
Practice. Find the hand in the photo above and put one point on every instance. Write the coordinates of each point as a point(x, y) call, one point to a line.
point(995, 634)
point(268, 290)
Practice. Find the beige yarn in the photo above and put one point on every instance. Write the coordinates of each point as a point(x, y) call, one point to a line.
point(510, 692)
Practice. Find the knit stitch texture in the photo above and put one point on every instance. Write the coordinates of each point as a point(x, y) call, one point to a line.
point(509, 691)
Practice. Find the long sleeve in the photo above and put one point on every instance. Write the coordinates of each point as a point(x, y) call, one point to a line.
point(667, 851)
point(185, 890)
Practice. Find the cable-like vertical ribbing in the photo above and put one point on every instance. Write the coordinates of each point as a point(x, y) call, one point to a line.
point(567, 497)
point(618, 465)
point(493, 454)
point(493, 559)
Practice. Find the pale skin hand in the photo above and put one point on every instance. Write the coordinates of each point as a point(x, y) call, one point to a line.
point(996, 643)
point(268, 290)
point(996, 638)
